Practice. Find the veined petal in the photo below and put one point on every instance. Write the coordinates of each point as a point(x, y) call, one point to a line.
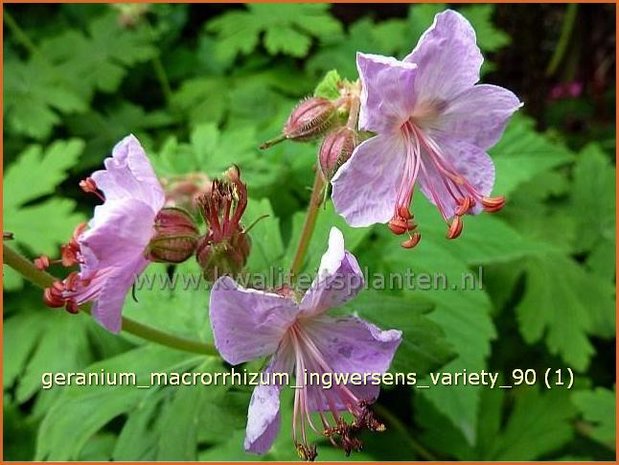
point(119, 232)
point(247, 323)
point(468, 161)
point(128, 173)
point(263, 418)
point(365, 188)
point(339, 278)
point(447, 57)
point(386, 92)
point(107, 306)
point(478, 115)
point(352, 345)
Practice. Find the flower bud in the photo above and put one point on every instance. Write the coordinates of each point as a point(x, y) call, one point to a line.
point(336, 148)
point(176, 236)
point(311, 118)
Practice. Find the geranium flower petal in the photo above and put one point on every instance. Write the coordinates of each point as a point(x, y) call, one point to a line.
point(128, 173)
point(247, 323)
point(107, 307)
point(365, 187)
point(352, 345)
point(386, 92)
point(339, 278)
point(447, 57)
point(478, 115)
point(263, 417)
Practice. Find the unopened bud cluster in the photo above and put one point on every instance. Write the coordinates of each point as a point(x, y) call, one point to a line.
point(335, 121)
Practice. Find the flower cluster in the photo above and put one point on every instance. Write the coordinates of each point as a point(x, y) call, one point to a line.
point(420, 120)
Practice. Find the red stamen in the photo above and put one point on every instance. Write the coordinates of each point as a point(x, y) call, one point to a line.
point(42, 262)
point(493, 204)
point(412, 241)
point(464, 206)
point(89, 185)
point(455, 229)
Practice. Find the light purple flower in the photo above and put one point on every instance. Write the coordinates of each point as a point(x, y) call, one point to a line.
point(111, 251)
point(433, 124)
point(299, 337)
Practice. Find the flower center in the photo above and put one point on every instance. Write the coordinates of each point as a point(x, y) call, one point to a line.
point(445, 185)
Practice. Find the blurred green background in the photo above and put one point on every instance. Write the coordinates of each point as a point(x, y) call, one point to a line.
point(202, 86)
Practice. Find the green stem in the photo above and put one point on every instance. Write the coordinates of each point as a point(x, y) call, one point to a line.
point(309, 225)
point(401, 428)
point(163, 79)
point(564, 39)
point(43, 279)
point(19, 33)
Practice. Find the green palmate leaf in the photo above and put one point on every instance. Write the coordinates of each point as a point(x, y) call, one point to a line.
point(424, 347)
point(538, 424)
point(522, 154)
point(212, 152)
point(202, 99)
point(489, 38)
point(267, 246)
point(81, 411)
point(168, 424)
point(100, 59)
point(462, 312)
point(362, 36)
point(538, 214)
point(101, 131)
point(33, 176)
point(593, 196)
point(327, 218)
point(485, 238)
point(288, 29)
point(174, 301)
point(565, 305)
point(597, 407)
point(36, 94)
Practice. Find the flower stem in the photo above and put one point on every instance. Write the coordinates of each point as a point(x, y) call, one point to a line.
point(19, 33)
point(401, 428)
point(43, 279)
point(310, 223)
point(569, 19)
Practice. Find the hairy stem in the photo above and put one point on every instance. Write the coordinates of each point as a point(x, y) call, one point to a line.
point(43, 279)
point(309, 225)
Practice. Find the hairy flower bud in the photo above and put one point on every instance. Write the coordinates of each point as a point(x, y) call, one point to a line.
point(176, 236)
point(311, 118)
point(336, 148)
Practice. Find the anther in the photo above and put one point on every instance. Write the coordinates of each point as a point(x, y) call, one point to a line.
point(412, 241)
point(455, 228)
point(90, 186)
point(464, 205)
point(72, 307)
point(42, 262)
point(493, 204)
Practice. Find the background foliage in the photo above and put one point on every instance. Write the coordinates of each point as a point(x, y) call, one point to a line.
point(202, 86)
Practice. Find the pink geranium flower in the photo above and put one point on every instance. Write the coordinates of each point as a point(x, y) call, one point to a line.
point(433, 125)
point(111, 250)
point(299, 337)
